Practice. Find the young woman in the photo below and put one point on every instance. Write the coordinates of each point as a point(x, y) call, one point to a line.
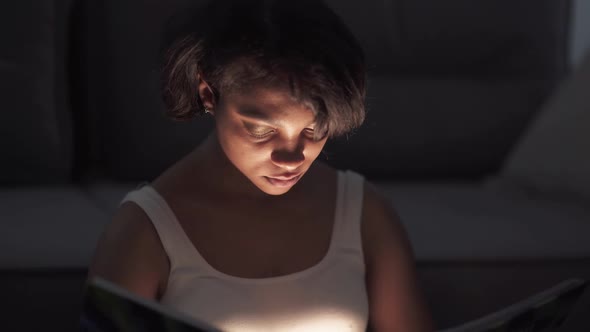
point(248, 231)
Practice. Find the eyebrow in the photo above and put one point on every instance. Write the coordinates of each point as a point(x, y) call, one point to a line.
point(256, 114)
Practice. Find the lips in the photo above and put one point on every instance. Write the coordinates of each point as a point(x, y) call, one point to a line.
point(285, 177)
point(283, 183)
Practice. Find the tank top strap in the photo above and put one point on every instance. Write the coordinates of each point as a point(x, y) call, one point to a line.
point(173, 238)
point(349, 213)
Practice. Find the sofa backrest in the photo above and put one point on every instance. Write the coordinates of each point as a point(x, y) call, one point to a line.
point(35, 124)
point(451, 85)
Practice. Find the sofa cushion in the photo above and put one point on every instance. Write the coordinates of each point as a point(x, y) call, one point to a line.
point(60, 227)
point(108, 194)
point(35, 128)
point(474, 222)
point(553, 155)
point(48, 227)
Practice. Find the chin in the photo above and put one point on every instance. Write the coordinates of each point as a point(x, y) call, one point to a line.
point(274, 191)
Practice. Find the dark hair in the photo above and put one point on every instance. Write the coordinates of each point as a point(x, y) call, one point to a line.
point(299, 45)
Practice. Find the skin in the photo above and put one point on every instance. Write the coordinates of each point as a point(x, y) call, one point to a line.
point(286, 145)
point(224, 180)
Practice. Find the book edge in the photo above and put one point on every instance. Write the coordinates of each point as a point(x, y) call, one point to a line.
point(168, 312)
point(517, 308)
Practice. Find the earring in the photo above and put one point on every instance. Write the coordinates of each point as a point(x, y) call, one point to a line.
point(207, 111)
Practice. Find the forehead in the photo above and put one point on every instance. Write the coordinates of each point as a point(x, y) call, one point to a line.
point(270, 104)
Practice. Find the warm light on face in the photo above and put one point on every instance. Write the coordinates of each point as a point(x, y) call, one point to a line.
point(266, 134)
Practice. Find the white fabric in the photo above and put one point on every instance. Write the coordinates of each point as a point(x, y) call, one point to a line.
point(330, 296)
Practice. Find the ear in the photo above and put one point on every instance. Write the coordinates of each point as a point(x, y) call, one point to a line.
point(206, 93)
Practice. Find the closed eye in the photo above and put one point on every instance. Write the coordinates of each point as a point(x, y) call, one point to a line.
point(323, 133)
point(310, 132)
point(259, 136)
point(261, 132)
point(257, 131)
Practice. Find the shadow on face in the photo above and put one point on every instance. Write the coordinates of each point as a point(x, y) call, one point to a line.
point(267, 135)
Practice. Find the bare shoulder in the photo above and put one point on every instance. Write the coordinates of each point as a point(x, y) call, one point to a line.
point(129, 253)
point(383, 233)
point(381, 228)
point(379, 215)
point(396, 301)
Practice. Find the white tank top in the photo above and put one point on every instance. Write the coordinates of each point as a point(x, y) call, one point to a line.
point(329, 296)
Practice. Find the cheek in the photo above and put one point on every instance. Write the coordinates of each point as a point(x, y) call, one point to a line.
point(313, 150)
point(247, 155)
point(244, 154)
point(250, 157)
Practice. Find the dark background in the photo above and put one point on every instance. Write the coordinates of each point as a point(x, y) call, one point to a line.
point(455, 91)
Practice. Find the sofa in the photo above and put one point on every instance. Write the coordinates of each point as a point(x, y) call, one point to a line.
point(477, 130)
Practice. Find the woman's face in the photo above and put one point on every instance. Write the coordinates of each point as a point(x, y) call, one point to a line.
point(267, 136)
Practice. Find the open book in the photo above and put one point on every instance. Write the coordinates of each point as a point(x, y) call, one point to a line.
point(108, 307)
point(546, 311)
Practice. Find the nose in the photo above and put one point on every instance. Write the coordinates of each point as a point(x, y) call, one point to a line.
point(288, 159)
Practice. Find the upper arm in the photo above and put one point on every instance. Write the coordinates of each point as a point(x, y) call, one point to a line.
point(395, 300)
point(129, 253)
